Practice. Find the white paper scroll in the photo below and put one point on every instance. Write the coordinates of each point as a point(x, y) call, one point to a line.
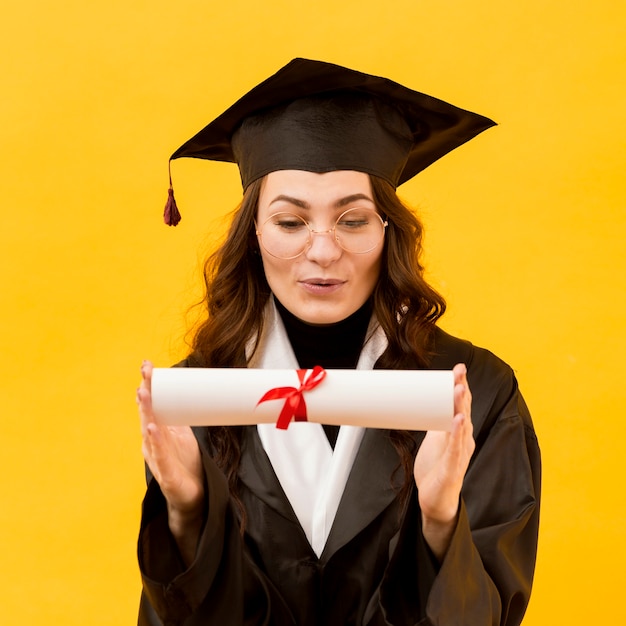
point(397, 399)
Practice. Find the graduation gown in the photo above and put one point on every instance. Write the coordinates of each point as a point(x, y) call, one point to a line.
point(375, 568)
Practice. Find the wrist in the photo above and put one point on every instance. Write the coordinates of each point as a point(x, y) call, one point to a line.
point(181, 522)
point(438, 534)
point(186, 527)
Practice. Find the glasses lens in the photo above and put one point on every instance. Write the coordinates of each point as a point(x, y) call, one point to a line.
point(285, 235)
point(359, 230)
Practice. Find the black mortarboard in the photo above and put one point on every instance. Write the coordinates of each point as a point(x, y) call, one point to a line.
point(321, 117)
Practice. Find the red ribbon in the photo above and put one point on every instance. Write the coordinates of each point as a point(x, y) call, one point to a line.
point(295, 406)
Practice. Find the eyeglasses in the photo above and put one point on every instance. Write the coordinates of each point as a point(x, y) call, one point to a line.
point(287, 236)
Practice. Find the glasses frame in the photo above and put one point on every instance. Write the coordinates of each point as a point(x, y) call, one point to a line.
point(333, 231)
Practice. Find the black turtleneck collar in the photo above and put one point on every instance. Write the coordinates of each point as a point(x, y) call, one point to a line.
point(333, 346)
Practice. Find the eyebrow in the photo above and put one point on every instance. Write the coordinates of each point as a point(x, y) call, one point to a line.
point(305, 205)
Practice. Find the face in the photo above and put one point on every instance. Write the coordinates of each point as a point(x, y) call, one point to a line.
point(325, 284)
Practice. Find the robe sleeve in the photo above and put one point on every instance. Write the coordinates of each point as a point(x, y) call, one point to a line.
point(173, 591)
point(223, 585)
point(486, 574)
point(212, 589)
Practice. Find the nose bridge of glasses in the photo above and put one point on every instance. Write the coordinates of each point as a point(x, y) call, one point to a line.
point(323, 243)
point(323, 249)
point(329, 231)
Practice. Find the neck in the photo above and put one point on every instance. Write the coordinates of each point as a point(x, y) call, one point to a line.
point(333, 346)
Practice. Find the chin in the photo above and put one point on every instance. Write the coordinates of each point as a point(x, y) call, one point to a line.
point(320, 316)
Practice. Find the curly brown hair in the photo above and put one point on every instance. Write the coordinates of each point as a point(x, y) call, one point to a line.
point(406, 307)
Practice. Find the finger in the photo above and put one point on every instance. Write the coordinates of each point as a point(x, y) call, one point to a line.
point(146, 374)
point(460, 373)
point(144, 402)
point(455, 447)
point(466, 433)
point(460, 447)
point(462, 400)
point(462, 393)
point(150, 449)
point(144, 397)
point(167, 468)
point(146, 449)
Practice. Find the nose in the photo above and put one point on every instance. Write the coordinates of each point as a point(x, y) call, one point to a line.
point(323, 248)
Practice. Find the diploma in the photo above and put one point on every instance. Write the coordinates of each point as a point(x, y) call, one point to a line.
point(396, 399)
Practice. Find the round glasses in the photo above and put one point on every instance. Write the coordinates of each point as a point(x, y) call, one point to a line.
point(287, 236)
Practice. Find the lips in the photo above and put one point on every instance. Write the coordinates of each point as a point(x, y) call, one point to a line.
point(321, 285)
point(322, 281)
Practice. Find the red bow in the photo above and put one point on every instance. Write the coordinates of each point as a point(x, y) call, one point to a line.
point(295, 405)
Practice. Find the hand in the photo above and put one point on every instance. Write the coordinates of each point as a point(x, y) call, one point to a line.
point(440, 467)
point(173, 456)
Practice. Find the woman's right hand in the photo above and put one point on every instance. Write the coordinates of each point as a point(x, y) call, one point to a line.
point(173, 456)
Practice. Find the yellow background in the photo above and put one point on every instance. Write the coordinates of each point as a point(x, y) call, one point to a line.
point(526, 229)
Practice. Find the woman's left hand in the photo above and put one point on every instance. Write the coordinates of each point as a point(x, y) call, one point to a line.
point(440, 467)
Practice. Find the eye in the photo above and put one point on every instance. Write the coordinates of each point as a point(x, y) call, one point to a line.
point(353, 223)
point(354, 219)
point(287, 222)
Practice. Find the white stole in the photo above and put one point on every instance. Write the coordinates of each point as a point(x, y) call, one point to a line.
point(312, 475)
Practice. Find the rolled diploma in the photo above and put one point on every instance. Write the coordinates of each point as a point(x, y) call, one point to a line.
point(396, 399)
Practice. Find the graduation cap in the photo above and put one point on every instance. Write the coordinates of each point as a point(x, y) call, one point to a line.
point(321, 117)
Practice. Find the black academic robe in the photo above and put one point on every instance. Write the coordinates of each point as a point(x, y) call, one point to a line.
point(376, 568)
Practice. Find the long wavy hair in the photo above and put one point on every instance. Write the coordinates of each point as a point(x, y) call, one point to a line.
point(406, 307)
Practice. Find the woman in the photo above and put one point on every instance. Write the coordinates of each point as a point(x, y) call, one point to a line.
point(321, 267)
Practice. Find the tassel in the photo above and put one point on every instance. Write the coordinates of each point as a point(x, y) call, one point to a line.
point(171, 214)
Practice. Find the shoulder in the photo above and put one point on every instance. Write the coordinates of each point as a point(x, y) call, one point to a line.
point(483, 366)
point(449, 350)
point(192, 360)
point(495, 390)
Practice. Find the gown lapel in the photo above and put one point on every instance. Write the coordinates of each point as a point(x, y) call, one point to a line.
point(329, 488)
point(368, 491)
point(257, 473)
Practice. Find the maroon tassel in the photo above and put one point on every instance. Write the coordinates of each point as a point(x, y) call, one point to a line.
point(171, 214)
